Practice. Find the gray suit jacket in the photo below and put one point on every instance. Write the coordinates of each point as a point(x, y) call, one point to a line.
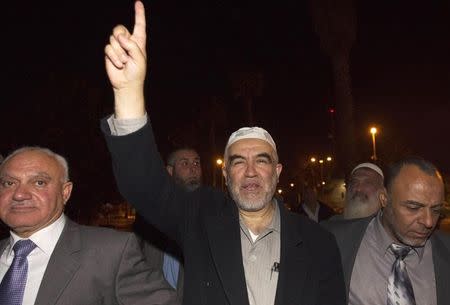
point(99, 266)
point(349, 235)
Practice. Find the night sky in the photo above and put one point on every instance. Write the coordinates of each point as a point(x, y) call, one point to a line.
point(56, 89)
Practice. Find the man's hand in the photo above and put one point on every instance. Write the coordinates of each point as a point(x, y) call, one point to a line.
point(126, 64)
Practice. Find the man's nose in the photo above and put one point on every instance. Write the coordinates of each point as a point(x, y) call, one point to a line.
point(21, 193)
point(250, 170)
point(427, 218)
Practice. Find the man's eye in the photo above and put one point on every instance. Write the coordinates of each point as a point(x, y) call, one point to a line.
point(40, 182)
point(262, 161)
point(437, 210)
point(413, 207)
point(237, 162)
point(6, 183)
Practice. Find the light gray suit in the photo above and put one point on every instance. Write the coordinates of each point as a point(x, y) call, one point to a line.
point(91, 265)
point(349, 235)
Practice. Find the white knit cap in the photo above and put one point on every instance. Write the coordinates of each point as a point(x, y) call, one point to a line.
point(251, 133)
point(368, 165)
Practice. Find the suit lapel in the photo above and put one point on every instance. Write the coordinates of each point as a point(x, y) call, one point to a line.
point(224, 238)
point(441, 255)
point(294, 261)
point(3, 244)
point(349, 242)
point(62, 265)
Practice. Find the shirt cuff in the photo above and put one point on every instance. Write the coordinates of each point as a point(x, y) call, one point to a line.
point(122, 127)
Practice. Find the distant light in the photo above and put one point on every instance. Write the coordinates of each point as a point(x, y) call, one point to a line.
point(373, 130)
point(219, 161)
point(331, 110)
point(313, 159)
point(280, 191)
point(292, 184)
point(329, 159)
point(323, 182)
point(320, 161)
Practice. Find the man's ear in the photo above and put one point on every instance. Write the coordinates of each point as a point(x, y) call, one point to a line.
point(383, 197)
point(169, 169)
point(225, 174)
point(67, 190)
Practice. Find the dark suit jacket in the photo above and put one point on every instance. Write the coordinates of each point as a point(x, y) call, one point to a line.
point(349, 235)
point(205, 223)
point(325, 211)
point(154, 245)
point(99, 266)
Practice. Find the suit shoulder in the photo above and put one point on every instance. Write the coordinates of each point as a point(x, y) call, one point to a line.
point(338, 226)
point(104, 236)
point(312, 230)
point(444, 237)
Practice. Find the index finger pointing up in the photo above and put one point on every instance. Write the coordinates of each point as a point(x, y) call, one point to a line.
point(139, 31)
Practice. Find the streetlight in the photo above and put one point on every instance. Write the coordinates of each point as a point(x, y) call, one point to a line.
point(219, 163)
point(373, 131)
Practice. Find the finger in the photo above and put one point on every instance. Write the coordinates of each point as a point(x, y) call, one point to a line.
point(131, 47)
point(139, 30)
point(112, 56)
point(120, 30)
point(119, 51)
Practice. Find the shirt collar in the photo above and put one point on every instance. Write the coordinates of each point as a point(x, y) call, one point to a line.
point(274, 225)
point(385, 240)
point(310, 214)
point(45, 239)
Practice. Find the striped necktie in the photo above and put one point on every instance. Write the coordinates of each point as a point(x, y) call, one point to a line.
point(400, 290)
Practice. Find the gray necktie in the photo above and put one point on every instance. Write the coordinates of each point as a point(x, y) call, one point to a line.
point(400, 291)
point(13, 283)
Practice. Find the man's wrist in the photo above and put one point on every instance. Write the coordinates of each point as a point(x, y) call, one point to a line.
point(129, 103)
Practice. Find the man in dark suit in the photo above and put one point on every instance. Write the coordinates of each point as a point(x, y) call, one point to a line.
point(245, 248)
point(311, 207)
point(410, 211)
point(49, 259)
point(183, 165)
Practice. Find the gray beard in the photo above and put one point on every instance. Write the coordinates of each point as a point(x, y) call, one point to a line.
point(255, 204)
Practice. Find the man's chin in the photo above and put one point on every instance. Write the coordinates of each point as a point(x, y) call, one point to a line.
point(415, 242)
point(250, 205)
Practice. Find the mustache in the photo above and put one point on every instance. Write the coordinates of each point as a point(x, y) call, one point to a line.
point(359, 195)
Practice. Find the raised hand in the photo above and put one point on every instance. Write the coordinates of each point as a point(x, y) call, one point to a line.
point(126, 65)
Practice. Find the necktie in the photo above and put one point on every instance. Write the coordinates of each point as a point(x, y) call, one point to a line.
point(400, 291)
point(13, 283)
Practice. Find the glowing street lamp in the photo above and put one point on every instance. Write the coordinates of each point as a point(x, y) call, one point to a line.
point(219, 163)
point(373, 131)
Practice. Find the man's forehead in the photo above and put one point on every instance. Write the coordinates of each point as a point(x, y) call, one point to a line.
point(187, 154)
point(413, 175)
point(259, 146)
point(34, 161)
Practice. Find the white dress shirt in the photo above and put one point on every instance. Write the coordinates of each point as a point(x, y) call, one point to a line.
point(45, 240)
